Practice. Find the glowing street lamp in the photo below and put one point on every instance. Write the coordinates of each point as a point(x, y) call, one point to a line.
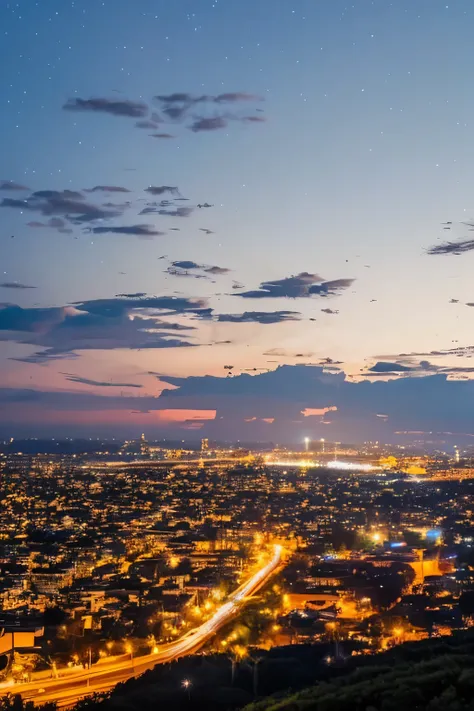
point(306, 443)
point(186, 684)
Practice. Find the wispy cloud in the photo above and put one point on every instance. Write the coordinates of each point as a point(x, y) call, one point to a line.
point(138, 230)
point(107, 189)
point(99, 383)
point(262, 317)
point(10, 185)
point(15, 285)
point(301, 285)
point(162, 190)
point(208, 124)
point(125, 107)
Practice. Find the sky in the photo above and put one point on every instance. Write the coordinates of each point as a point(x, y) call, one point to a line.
point(242, 219)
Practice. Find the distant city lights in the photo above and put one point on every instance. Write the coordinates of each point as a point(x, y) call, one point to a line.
point(336, 464)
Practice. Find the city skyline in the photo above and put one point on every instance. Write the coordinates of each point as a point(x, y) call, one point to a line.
point(268, 242)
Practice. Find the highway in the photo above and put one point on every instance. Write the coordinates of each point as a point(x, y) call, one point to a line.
point(69, 689)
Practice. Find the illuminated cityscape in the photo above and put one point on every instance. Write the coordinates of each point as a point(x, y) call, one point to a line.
point(116, 559)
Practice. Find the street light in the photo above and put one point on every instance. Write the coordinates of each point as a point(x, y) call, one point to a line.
point(186, 684)
point(306, 443)
point(129, 649)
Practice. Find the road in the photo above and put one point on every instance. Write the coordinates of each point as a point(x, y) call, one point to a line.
point(68, 690)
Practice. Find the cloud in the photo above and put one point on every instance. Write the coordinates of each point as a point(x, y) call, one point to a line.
point(161, 135)
point(173, 271)
point(146, 124)
point(208, 124)
point(385, 367)
point(438, 409)
point(235, 96)
point(134, 295)
point(254, 119)
point(176, 105)
point(8, 185)
point(15, 285)
point(460, 247)
point(263, 317)
point(107, 189)
point(100, 324)
point(138, 230)
point(170, 304)
point(330, 288)
point(301, 285)
point(55, 223)
point(186, 264)
point(177, 212)
point(131, 109)
point(69, 203)
point(162, 190)
point(97, 383)
point(214, 269)
point(330, 311)
point(32, 320)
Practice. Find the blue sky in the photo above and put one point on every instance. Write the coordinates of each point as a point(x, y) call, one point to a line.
point(364, 152)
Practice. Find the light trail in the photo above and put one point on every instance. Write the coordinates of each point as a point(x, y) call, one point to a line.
point(66, 691)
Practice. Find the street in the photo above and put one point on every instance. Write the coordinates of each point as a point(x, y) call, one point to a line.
point(104, 677)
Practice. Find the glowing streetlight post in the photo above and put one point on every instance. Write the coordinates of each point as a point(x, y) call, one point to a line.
point(186, 684)
point(130, 651)
point(306, 444)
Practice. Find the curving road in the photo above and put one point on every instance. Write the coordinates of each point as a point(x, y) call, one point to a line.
point(102, 677)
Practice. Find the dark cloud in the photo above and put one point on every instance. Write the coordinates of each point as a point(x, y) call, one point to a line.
point(134, 295)
point(7, 185)
point(138, 230)
point(332, 312)
point(180, 98)
point(177, 212)
point(162, 190)
point(460, 247)
point(184, 273)
point(97, 383)
point(161, 135)
point(55, 222)
point(107, 189)
point(171, 305)
point(69, 203)
point(235, 96)
point(100, 324)
point(214, 269)
point(385, 367)
point(30, 320)
point(146, 124)
point(438, 406)
point(176, 106)
point(186, 264)
point(182, 101)
point(208, 124)
point(459, 351)
point(254, 119)
point(263, 317)
point(15, 285)
point(330, 288)
point(131, 109)
point(301, 285)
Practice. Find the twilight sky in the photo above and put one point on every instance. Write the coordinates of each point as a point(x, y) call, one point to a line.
point(190, 185)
